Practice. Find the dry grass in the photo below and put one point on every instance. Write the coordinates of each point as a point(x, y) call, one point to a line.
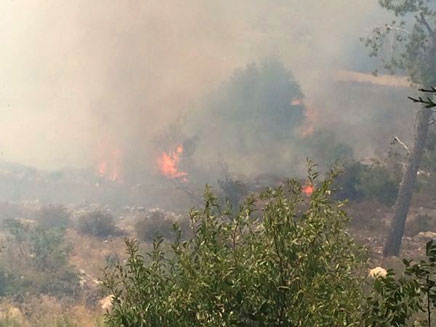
point(46, 311)
point(89, 252)
point(369, 216)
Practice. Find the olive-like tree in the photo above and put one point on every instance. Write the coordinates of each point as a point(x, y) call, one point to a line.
point(408, 45)
point(282, 260)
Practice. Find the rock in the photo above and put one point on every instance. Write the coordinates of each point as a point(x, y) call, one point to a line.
point(426, 236)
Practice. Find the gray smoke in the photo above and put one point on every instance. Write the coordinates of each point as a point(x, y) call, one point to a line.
point(76, 76)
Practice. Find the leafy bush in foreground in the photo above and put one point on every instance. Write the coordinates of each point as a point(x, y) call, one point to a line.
point(293, 266)
point(407, 300)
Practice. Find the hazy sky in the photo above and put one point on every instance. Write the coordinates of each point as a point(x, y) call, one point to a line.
point(74, 74)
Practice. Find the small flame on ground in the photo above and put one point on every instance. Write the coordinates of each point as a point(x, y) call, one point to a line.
point(308, 189)
point(168, 164)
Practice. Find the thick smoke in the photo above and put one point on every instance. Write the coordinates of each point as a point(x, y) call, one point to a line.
point(79, 74)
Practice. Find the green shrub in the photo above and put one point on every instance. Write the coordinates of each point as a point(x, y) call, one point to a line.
point(159, 223)
point(53, 216)
point(421, 223)
point(10, 322)
point(377, 183)
point(255, 109)
point(35, 261)
point(367, 182)
point(46, 249)
point(407, 300)
point(234, 190)
point(112, 259)
point(98, 224)
point(324, 147)
point(295, 266)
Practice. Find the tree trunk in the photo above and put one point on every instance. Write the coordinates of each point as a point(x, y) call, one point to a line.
point(407, 185)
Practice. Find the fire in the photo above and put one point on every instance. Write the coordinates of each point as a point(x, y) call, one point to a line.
point(310, 115)
point(308, 189)
point(168, 164)
point(109, 163)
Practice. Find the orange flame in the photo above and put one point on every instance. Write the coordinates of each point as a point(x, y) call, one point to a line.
point(308, 189)
point(168, 164)
point(109, 163)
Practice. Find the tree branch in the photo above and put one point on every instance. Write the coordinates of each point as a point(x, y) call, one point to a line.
point(390, 27)
point(428, 103)
point(431, 90)
point(397, 140)
point(427, 25)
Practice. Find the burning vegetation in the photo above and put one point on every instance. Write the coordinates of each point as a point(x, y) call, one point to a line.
point(109, 162)
point(308, 189)
point(168, 163)
point(244, 133)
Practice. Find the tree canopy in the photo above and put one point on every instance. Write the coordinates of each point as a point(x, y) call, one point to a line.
point(407, 43)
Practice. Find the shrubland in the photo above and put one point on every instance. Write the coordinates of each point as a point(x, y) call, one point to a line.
point(291, 262)
point(35, 261)
point(283, 259)
point(375, 181)
point(324, 147)
point(38, 284)
point(158, 223)
point(53, 216)
point(97, 224)
point(276, 258)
